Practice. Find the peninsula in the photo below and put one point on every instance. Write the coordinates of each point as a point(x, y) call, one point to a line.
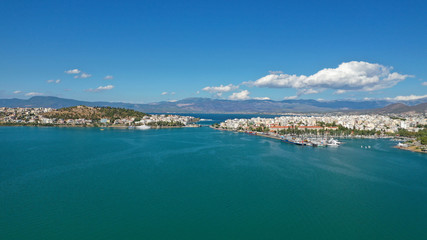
point(83, 116)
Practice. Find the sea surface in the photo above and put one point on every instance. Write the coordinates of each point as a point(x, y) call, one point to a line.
point(200, 183)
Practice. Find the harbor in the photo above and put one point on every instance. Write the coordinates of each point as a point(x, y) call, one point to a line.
point(292, 139)
point(300, 140)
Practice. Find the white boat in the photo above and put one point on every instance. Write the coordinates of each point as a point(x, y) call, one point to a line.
point(143, 127)
point(402, 145)
point(332, 143)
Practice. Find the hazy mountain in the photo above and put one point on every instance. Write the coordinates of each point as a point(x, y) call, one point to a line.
point(400, 108)
point(209, 105)
point(56, 102)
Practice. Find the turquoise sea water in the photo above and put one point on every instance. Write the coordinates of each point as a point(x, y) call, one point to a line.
point(200, 183)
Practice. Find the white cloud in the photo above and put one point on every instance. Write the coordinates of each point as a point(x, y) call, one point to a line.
point(262, 98)
point(308, 91)
point(406, 98)
point(108, 87)
point(221, 88)
point(348, 76)
point(100, 88)
point(278, 81)
point(168, 93)
point(73, 71)
point(54, 81)
point(290, 97)
point(83, 75)
point(340, 91)
point(32, 94)
point(17, 92)
point(173, 101)
point(424, 83)
point(243, 95)
point(108, 77)
point(198, 92)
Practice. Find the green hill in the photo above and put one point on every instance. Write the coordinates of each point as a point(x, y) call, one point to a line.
point(93, 113)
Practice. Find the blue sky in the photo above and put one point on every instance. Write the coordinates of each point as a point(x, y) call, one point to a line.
point(167, 50)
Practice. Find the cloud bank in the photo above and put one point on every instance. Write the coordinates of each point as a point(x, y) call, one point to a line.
point(348, 76)
point(406, 98)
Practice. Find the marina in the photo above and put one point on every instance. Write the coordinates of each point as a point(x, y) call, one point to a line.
point(300, 140)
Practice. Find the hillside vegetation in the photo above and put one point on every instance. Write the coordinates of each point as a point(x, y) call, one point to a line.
point(93, 113)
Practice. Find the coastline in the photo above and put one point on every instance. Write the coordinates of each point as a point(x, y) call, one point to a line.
point(341, 137)
point(92, 126)
point(410, 148)
point(262, 135)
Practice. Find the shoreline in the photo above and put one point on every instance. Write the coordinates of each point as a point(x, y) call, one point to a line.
point(89, 126)
point(341, 137)
point(410, 148)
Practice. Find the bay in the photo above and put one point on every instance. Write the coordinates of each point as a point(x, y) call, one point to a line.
point(200, 183)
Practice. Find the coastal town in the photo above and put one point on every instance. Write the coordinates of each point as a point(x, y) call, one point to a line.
point(82, 116)
point(319, 129)
point(383, 123)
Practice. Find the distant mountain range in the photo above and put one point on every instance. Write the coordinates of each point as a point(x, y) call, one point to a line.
point(209, 105)
point(398, 108)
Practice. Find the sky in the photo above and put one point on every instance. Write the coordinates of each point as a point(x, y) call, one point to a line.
point(149, 51)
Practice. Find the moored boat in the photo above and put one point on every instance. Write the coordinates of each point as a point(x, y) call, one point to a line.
point(333, 143)
point(142, 127)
